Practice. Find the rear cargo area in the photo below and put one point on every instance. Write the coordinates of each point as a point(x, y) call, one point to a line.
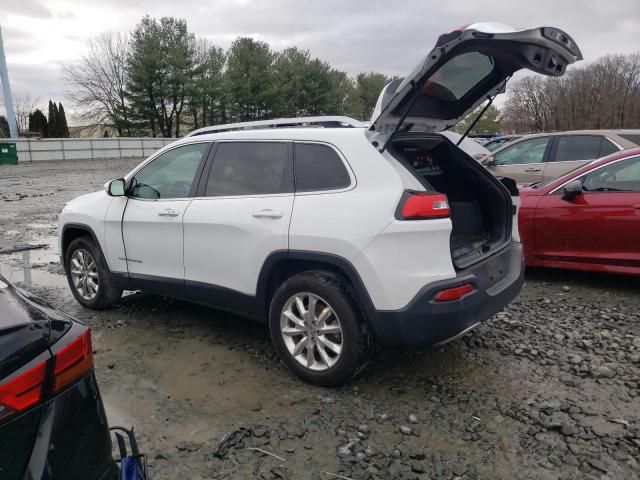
point(480, 207)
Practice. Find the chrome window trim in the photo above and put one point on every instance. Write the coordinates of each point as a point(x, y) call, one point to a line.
point(516, 164)
point(352, 178)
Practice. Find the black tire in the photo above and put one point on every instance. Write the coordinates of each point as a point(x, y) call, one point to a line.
point(336, 293)
point(107, 293)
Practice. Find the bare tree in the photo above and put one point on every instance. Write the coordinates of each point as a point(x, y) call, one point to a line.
point(603, 94)
point(96, 83)
point(24, 106)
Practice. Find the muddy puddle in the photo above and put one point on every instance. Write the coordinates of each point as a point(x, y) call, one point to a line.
point(34, 267)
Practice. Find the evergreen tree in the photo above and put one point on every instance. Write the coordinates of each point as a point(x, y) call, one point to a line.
point(364, 96)
point(53, 131)
point(249, 79)
point(4, 127)
point(490, 122)
point(61, 120)
point(38, 123)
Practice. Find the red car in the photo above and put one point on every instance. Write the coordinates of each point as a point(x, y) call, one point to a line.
point(588, 219)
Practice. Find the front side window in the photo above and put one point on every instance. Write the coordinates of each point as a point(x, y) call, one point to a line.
point(250, 168)
point(318, 167)
point(578, 147)
point(623, 176)
point(527, 151)
point(170, 175)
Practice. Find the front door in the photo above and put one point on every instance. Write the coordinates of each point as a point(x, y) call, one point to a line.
point(522, 161)
point(601, 225)
point(158, 195)
point(241, 215)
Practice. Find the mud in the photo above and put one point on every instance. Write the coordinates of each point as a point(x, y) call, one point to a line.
point(549, 388)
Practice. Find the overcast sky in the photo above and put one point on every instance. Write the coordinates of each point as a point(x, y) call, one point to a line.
point(353, 35)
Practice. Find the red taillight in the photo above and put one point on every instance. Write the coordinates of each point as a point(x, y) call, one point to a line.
point(421, 206)
point(73, 361)
point(23, 391)
point(455, 293)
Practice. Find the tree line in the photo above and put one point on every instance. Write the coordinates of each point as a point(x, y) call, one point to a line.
point(162, 80)
point(604, 94)
point(33, 120)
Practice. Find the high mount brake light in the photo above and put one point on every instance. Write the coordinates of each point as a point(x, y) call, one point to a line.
point(22, 392)
point(72, 361)
point(424, 205)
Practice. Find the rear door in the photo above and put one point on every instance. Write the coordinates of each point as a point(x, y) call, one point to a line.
point(572, 151)
point(522, 161)
point(241, 214)
point(158, 195)
point(467, 66)
point(601, 225)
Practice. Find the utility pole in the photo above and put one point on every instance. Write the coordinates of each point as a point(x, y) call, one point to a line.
point(6, 92)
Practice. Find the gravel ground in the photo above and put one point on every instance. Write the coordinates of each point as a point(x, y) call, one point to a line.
point(547, 389)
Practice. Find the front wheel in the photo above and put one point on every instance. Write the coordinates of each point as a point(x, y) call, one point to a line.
point(88, 275)
point(317, 328)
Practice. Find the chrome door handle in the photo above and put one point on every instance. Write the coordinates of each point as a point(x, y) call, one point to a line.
point(169, 212)
point(267, 213)
point(533, 170)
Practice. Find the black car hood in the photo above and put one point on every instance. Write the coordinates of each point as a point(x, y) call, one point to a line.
point(28, 326)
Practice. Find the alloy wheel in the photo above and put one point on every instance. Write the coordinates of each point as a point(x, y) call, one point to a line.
point(84, 274)
point(311, 331)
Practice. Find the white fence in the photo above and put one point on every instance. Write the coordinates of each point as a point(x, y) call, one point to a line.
point(49, 149)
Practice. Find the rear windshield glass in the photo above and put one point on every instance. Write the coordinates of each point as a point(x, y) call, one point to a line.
point(458, 76)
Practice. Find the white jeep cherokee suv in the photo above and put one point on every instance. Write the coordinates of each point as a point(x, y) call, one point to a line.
point(334, 236)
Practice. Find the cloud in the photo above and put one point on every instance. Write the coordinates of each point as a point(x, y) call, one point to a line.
point(355, 35)
point(27, 8)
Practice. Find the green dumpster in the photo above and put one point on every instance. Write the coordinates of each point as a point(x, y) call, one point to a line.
point(8, 153)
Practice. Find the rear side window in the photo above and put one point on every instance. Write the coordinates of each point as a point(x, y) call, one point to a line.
point(577, 147)
point(318, 167)
point(607, 148)
point(632, 137)
point(250, 168)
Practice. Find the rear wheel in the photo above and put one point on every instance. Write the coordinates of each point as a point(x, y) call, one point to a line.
point(317, 328)
point(88, 275)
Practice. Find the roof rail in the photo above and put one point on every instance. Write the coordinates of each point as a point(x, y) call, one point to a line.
point(300, 122)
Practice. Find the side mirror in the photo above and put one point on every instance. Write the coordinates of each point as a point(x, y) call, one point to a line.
point(572, 190)
point(489, 161)
point(115, 188)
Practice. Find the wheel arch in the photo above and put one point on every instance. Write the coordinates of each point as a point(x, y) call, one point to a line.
point(283, 264)
point(72, 231)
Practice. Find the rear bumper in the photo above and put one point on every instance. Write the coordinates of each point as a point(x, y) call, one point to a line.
point(423, 322)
